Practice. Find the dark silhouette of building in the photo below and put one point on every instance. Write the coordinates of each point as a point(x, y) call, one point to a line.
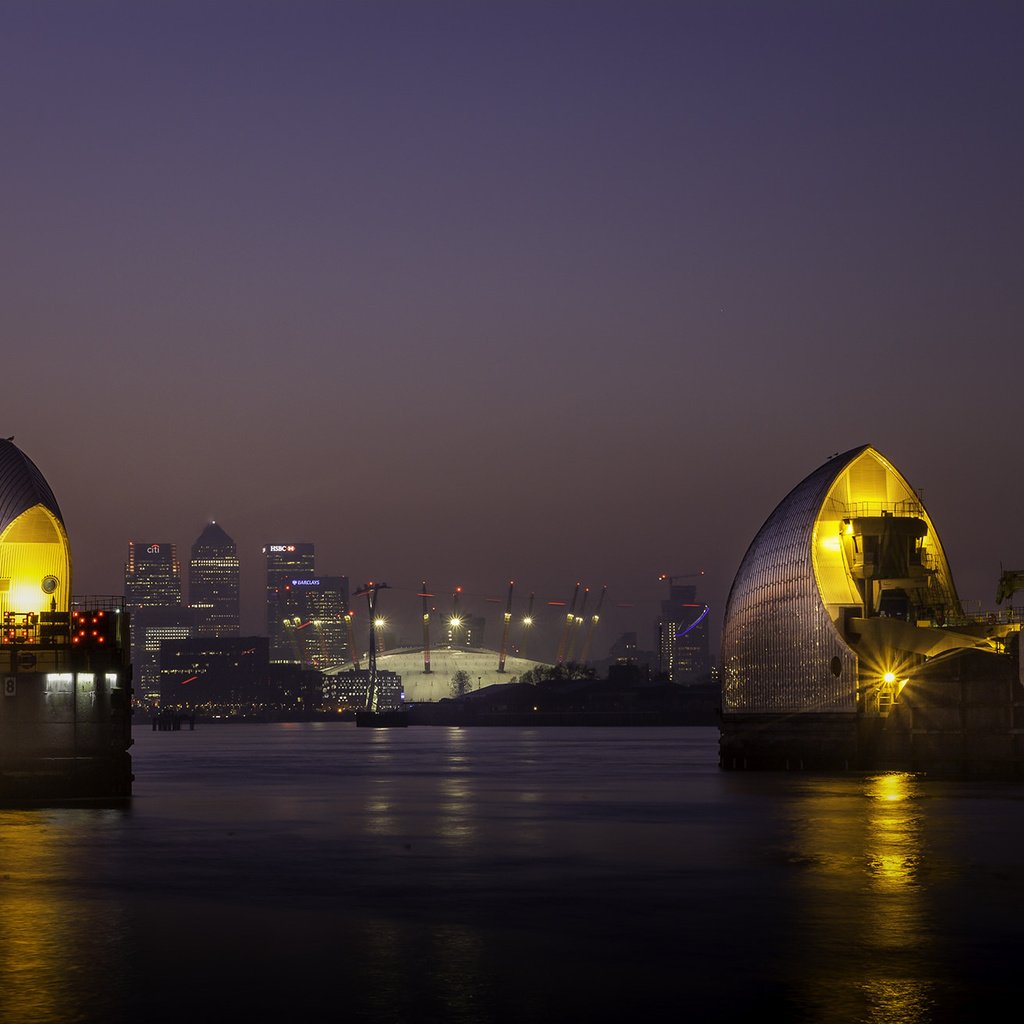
point(151, 628)
point(682, 635)
point(213, 583)
point(215, 675)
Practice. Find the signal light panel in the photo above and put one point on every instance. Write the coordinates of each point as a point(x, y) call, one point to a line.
point(92, 629)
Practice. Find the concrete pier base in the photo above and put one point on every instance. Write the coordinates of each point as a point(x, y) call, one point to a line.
point(959, 717)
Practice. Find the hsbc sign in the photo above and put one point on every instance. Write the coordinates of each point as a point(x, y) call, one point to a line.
point(281, 547)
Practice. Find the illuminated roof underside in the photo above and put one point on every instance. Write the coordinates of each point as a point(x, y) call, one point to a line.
point(846, 572)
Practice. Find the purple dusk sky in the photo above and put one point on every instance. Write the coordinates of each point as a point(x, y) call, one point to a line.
point(468, 292)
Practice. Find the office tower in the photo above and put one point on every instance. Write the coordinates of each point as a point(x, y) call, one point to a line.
point(152, 590)
point(152, 576)
point(284, 562)
point(320, 604)
point(314, 609)
point(682, 634)
point(213, 588)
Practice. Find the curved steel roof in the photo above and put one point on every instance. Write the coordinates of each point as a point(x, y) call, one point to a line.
point(778, 638)
point(21, 485)
point(783, 649)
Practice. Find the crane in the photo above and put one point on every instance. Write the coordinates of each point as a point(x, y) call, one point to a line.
point(568, 623)
point(505, 627)
point(1010, 581)
point(293, 625)
point(353, 650)
point(577, 622)
point(527, 624)
point(591, 625)
point(426, 627)
point(455, 620)
point(370, 590)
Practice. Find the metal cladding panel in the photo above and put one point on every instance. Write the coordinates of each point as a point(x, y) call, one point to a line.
point(781, 651)
point(21, 485)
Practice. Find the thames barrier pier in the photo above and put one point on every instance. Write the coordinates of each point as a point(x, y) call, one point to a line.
point(845, 646)
point(65, 711)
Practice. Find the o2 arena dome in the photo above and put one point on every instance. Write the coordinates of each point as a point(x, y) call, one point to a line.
point(419, 686)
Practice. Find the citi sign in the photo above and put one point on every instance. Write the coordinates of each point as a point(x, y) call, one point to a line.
point(153, 549)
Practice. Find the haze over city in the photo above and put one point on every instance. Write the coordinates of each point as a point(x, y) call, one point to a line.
point(546, 292)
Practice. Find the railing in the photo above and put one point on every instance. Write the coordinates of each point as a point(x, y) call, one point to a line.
point(19, 628)
point(1009, 616)
point(98, 602)
point(859, 509)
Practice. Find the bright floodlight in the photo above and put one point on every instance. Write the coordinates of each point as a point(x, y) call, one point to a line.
point(889, 677)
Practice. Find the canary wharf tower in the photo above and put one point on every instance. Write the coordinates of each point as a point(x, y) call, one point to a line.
point(284, 561)
point(213, 583)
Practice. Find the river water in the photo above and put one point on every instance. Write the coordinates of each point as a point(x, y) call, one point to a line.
point(307, 872)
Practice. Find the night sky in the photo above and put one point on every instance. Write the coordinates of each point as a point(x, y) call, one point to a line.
point(468, 292)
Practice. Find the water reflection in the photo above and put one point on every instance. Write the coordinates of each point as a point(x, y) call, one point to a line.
point(416, 972)
point(864, 907)
point(54, 944)
point(456, 806)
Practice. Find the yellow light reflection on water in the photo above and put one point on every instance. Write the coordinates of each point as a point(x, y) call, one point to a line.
point(50, 937)
point(863, 900)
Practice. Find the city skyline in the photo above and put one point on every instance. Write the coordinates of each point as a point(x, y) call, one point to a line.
point(403, 604)
point(544, 292)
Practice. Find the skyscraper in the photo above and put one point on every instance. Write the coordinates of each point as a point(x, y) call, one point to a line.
point(285, 562)
point(320, 604)
point(152, 576)
point(152, 589)
point(213, 587)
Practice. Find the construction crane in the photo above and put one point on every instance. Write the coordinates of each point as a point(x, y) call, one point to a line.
point(505, 628)
point(455, 619)
point(1010, 581)
point(591, 626)
point(369, 591)
point(577, 622)
point(353, 649)
point(426, 627)
point(527, 625)
point(570, 616)
point(293, 625)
